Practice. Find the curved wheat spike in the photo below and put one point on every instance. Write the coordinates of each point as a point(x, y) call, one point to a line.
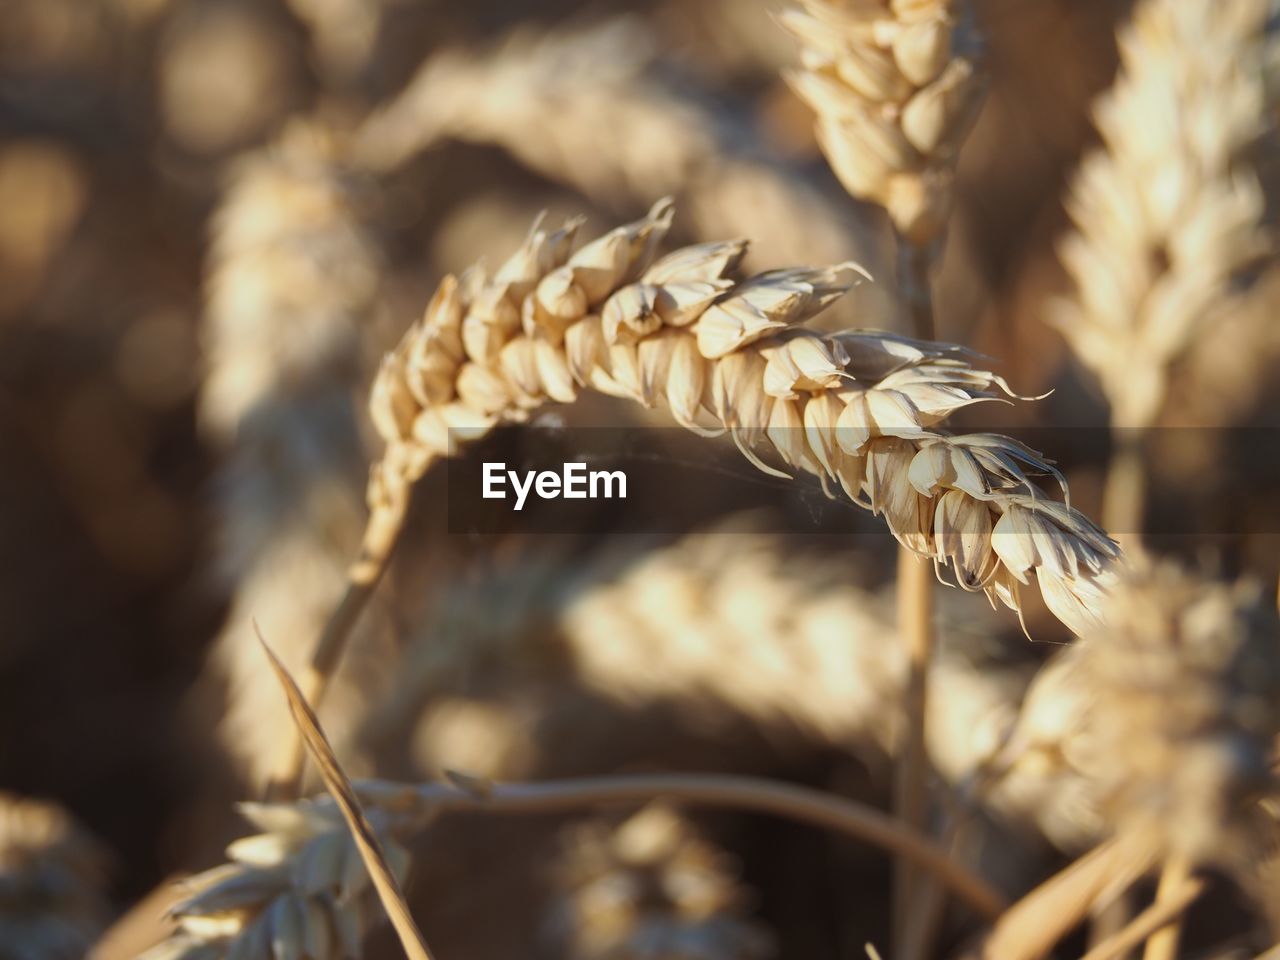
point(859, 409)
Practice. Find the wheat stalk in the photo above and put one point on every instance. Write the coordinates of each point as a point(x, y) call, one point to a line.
point(1168, 213)
point(895, 90)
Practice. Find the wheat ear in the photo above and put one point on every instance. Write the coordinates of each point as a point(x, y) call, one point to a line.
point(861, 410)
point(1168, 213)
point(895, 88)
point(1162, 722)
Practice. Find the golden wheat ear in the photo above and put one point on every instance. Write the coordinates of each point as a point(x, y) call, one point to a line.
point(860, 409)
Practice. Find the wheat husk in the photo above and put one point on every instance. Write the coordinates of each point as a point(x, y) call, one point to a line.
point(1161, 723)
point(650, 886)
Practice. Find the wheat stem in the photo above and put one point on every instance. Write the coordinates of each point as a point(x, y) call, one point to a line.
point(381, 535)
point(703, 789)
point(1125, 495)
point(1159, 919)
point(1175, 892)
point(915, 626)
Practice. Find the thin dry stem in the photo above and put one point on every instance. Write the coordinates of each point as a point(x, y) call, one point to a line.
point(1157, 920)
point(363, 579)
point(1175, 892)
point(1029, 929)
point(915, 625)
point(787, 800)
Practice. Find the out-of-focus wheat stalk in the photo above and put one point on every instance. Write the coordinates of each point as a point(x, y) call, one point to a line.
point(291, 279)
point(1166, 719)
point(52, 875)
point(1168, 213)
point(895, 88)
point(546, 97)
point(651, 886)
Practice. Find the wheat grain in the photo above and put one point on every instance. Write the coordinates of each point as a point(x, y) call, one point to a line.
point(1168, 213)
point(860, 409)
point(297, 888)
point(896, 88)
point(52, 876)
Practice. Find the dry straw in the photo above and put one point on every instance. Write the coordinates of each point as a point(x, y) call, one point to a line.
point(1168, 212)
point(895, 88)
point(861, 410)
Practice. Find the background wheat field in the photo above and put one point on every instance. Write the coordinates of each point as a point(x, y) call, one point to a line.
point(939, 620)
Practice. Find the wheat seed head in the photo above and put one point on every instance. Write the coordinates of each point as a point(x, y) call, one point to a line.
point(860, 409)
point(1162, 721)
point(896, 88)
point(1168, 213)
point(298, 888)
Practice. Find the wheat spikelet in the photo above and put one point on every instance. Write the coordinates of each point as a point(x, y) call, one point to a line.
point(1168, 216)
point(292, 277)
point(51, 878)
point(296, 889)
point(895, 88)
point(860, 409)
point(648, 887)
point(545, 97)
point(1161, 723)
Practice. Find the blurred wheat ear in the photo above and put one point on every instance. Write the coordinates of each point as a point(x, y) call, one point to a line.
point(1169, 213)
